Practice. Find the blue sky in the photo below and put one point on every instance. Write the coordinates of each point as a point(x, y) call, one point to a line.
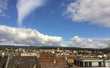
point(51, 19)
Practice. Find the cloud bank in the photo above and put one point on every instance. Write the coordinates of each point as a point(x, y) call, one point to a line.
point(32, 37)
point(27, 37)
point(89, 43)
point(25, 7)
point(94, 11)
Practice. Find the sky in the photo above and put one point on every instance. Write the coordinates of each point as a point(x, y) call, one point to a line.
point(63, 18)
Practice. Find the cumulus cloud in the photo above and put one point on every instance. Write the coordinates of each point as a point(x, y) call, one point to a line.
point(94, 11)
point(32, 37)
point(89, 43)
point(27, 37)
point(25, 7)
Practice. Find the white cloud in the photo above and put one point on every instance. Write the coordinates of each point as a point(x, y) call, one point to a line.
point(94, 11)
point(89, 43)
point(27, 36)
point(25, 7)
point(32, 37)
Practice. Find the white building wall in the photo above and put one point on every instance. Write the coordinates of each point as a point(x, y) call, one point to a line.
point(107, 63)
point(95, 64)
